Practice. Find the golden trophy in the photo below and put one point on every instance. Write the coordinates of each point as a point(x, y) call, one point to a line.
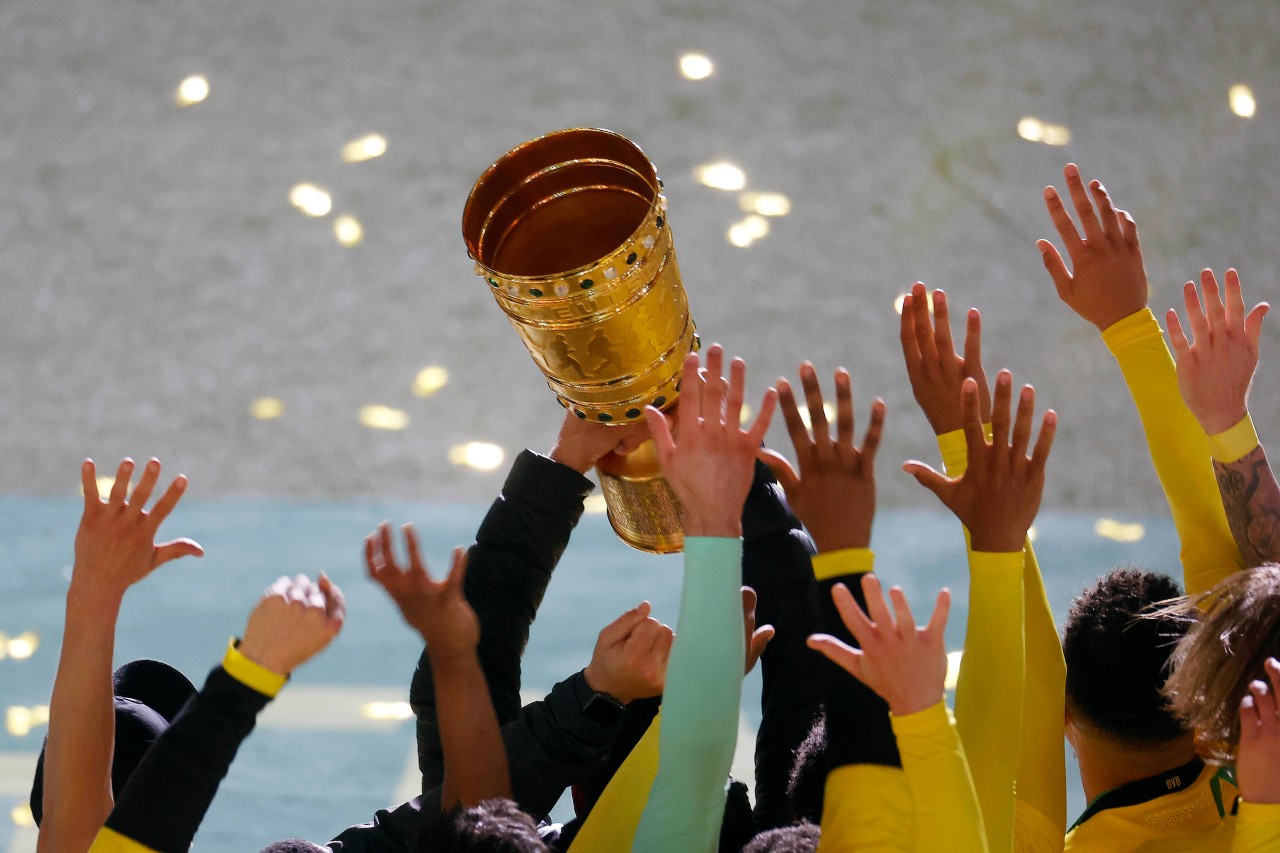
point(569, 232)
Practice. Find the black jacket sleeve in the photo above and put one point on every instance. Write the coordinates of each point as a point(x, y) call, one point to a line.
point(174, 784)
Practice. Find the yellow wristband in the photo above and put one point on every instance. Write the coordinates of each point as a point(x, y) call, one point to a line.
point(846, 561)
point(1234, 443)
point(250, 673)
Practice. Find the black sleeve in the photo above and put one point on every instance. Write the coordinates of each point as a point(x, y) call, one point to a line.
point(858, 727)
point(517, 547)
point(390, 831)
point(174, 784)
point(776, 564)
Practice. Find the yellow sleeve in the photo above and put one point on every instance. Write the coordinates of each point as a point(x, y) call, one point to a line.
point(110, 841)
point(944, 806)
point(866, 807)
point(846, 561)
point(1179, 450)
point(1041, 764)
point(611, 826)
point(250, 673)
point(990, 686)
point(1257, 828)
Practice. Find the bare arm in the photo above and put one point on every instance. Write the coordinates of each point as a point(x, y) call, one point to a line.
point(114, 549)
point(1251, 497)
point(475, 759)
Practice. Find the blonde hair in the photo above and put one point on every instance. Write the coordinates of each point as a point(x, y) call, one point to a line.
point(1235, 628)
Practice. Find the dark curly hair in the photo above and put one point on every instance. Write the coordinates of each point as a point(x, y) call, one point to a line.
point(493, 826)
point(798, 838)
point(1118, 661)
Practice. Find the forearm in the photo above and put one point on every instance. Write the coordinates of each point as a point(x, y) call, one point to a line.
point(944, 805)
point(1179, 450)
point(1250, 494)
point(78, 752)
point(703, 691)
point(989, 692)
point(858, 729)
point(475, 760)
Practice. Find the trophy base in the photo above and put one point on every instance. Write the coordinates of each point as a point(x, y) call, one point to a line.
point(643, 510)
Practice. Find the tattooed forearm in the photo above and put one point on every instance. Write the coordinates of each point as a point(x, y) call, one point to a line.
point(1251, 497)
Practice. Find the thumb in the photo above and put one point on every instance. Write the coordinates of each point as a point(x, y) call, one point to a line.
point(927, 477)
point(177, 548)
point(781, 468)
point(619, 629)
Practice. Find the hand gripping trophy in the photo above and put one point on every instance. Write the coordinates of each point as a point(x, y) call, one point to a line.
point(570, 233)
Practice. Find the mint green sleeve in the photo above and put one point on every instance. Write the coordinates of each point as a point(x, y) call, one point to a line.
point(699, 704)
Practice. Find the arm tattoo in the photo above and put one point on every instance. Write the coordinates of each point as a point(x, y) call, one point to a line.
point(1251, 498)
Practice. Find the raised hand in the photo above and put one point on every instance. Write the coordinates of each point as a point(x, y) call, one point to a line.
point(1258, 756)
point(438, 610)
point(935, 369)
point(1216, 369)
point(1107, 281)
point(834, 493)
point(997, 497)
point(630, 658)
point(115, 544)
point(756, 638)
point(712, 467)
point(904, 664)
point(583, 443)
point(292, 622)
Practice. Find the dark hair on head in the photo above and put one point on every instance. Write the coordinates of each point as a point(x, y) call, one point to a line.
point(1117, 661)
point(294, 845)
point(800, 837)
point(808, 778)
point(494, 826)
point(1234, 628)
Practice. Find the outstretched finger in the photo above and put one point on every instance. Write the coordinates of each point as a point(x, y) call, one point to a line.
point(1056, 267)
point(761, 424)
point(844, 409)
point(876, 607)
point(1048, 428)
point(1000, 410)
point(782, 470)
point(1233, 300)
point(791, 416)
point(1216, 311)
point(1066, 229)
point(974, 438)
point(1195, 313)
point(146, 484)
point(416, 564)
point(457, 579)
point(937, 626)
point(922, 325)
point(120, 488)
point(1177, 337)
point(906, 622)
point(932, 480)
point(850, 613)
point(1022, 423)
point(942, 325)
point(1106, 211)
point(733, 403)
point(1080, 198)
point(167, 551)
point(168, 500)
point(846, 657)
point(875, 429)
point(817, 415)
point(89, 485)
point(715, 388)
point(1253, 324)
point(619, 629)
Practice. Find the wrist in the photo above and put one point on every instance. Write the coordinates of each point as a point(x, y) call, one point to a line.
point(712, 526)
point(996, 542)
point(571, 458)
point(600, 684)
point(89, 599)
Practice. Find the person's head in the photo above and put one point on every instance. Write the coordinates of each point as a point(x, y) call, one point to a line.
point(798, 838)
point(808, 778)
point(294, 845)
point(1234, 628)
point(148, 695)
point(493, 826)
point(1117, 661)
